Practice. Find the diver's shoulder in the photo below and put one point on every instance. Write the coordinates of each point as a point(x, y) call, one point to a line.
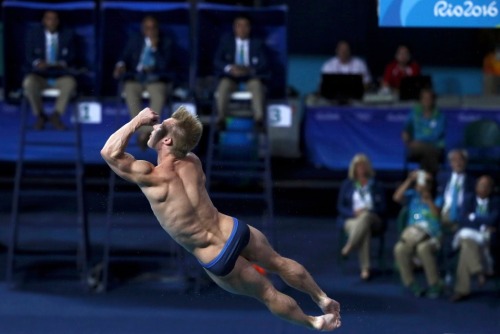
point(193, 158)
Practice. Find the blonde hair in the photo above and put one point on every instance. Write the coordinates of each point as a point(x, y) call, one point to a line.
point(186, 132)
point(360, 158)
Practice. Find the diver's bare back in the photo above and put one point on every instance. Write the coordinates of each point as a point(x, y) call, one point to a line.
point(180, 202)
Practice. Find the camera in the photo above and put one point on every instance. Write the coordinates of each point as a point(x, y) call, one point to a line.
point(421, 178)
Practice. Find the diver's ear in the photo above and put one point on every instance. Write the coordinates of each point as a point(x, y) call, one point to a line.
point(168, 141)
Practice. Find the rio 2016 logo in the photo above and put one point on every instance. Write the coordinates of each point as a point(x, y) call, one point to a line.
point(468, 9)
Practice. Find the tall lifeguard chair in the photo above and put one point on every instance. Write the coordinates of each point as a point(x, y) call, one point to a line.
point(50, 162)
point(240, 154)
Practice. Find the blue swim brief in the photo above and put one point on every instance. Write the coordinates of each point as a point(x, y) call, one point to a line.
point(224, 263)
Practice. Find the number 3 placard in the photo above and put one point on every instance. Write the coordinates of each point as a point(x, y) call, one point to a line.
point(279, 115)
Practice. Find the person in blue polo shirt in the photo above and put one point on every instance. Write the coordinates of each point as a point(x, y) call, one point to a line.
point(421, 237)
point(424, 132)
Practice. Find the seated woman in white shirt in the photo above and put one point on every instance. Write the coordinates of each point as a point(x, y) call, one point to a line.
point(361, 205)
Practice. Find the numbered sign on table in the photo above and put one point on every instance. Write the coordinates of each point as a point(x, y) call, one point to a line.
point(90, 112)
point(279, 115)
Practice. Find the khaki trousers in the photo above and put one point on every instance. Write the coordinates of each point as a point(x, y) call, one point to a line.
point(34, 84)
point(158, 92)
point(469, 264)
point(359, 232)
point(227, 86)
point(425, 251)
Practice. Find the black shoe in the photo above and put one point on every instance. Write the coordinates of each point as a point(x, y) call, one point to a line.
point(416, 290)
point(40, 122)
point(458, 297)
point(434, 291)
point(55, 120)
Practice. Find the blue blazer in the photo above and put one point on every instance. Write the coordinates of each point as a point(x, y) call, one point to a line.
point(344, 201)
point(36, 46)
point(225, 55)
point(131, 55)
point(444, 178)
point(490, 219)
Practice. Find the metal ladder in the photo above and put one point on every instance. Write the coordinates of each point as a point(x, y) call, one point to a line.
point(49, 176)
point(250, 163)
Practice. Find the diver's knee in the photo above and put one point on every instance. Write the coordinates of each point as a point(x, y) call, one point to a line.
point(268, 294)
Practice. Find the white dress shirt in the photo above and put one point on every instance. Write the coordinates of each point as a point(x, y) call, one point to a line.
point(457, 179)
point(353, 66)
point(480, 202)
point(49, 39)
point(147, 44)
point(245, 44)
point(362, 199)
point(483, 202)
point(240, 43)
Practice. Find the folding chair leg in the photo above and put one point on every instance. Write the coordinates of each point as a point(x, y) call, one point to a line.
point(83, 249)
point(14, 220)
point(108, 239)
point(268, 185)
point(381, 254)
point(211, 147)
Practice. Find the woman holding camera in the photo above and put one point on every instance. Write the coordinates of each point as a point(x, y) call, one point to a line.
point(419, 240)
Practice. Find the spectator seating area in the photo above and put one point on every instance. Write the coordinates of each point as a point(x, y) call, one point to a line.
point(304, 75)
point(102, 33)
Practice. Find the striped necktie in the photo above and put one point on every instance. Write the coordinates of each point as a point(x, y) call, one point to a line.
point(52, 54)
point(454, 201)
point(147, 60)
point(481, 209)
point(240, 60)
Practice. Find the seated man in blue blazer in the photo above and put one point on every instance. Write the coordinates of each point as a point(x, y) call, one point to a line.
point(241, 58)
point(452, 187)
point(479, 220)
point(50, 54)
point(146, 65)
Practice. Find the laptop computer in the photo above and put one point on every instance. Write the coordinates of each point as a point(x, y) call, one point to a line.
point(410, 87)
point(342, 87)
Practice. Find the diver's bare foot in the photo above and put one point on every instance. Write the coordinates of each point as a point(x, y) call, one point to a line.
point(326, 323)
point(329, 306)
